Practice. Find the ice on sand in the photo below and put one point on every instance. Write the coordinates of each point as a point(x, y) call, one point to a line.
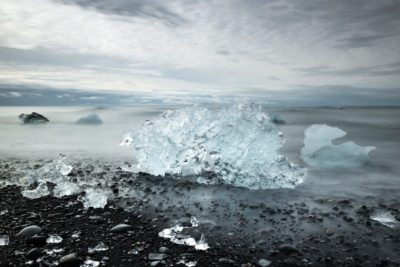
point(237, 146)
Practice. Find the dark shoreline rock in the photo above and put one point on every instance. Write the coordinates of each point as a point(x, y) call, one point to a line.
point(33, 118)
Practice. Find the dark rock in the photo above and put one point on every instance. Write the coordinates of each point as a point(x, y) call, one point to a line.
point(33, 118)
point(30, 230)
point(34, 253)
point(37, 240)
point(157, 256)
point(120, 228)
point(288, 249)
point(225, 260)
point(163, 250)
point(70, 260)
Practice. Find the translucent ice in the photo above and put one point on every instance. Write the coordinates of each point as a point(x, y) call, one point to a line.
point(90, 119)
point(54, 239)
point(40, 191)
point(4, 240)
point(175, 236)
point(385, 218)
point(276, 118)
point(93, 199)
point(237, 146)
point(54, 172)
point(90, 263)
point(319, 151)
point(100, 247)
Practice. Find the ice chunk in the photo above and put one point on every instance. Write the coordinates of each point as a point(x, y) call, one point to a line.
point(4, 240)
point(93, 199)
point(55, 172)
point(237, 146)
point(90, 263)
point(3, 212)
point(175, 236)
point(187, 263)
point(92, 118)
point(100, 247)
point(385, 218)
point(276, 118)
point(54, 239)
point(40, 191)
point(319, 151)
point(66, 189)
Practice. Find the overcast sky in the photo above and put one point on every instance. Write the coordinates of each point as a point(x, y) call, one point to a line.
point(276, 52)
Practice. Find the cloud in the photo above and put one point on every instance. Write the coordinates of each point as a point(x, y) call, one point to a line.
point(10, 94)
point(208, 48)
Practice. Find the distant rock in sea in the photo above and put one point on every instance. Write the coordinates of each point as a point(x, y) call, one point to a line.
point(33, 118)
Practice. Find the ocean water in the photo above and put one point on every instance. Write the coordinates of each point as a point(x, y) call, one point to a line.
point(366, 126)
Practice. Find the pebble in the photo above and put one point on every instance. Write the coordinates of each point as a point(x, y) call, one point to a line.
point(163, 250)
point(30, 230)
point(225, 260)
point(120, 228)
point(34, 253)
point(157, 256)
point(37, 240)
point(70, 260)
point(288, 249)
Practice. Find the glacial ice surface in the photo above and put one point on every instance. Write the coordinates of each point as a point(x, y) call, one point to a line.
point(237, 146)
point(319, 151)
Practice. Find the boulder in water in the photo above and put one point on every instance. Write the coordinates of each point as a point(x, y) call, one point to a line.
point(33, 118)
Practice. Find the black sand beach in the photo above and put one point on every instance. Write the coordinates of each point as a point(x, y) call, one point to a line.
point(293, 232)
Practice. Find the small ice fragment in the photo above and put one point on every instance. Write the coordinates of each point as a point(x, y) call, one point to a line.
point(188, 264)
point(4, 240)
point(66, 189)
point(3, 212)
point(319, 151)
point(175, 236)
point(136, 250)
point(54, 239)
point(93, 199)
point(75, 235)
point(385, 218)
point(40, 191)
point(276, 118)
point(90, 263)
point(100, 247)
point(202, 245)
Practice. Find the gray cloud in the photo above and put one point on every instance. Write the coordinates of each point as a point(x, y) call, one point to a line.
point(391, 69)
point(148, 9)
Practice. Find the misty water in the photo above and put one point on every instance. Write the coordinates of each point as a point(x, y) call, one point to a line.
point(378, 127)
point(216, 206)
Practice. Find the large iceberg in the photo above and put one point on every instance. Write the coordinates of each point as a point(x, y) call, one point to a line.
point(237, 146)
point(319, 151)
